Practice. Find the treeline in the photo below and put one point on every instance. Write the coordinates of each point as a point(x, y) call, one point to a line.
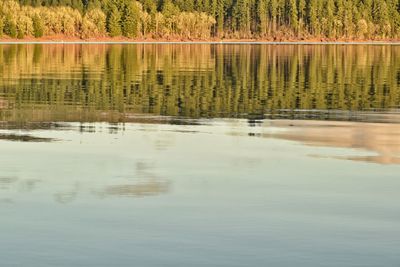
point(117, 18)
point(197, 80)
point(201, 19)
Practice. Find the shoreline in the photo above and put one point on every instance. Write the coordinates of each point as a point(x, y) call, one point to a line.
point(208, 42)
point(60, 39)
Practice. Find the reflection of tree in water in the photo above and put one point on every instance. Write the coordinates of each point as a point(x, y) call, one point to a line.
point(143, 183)
point(101, 83)
point(15, 183)
point(28, 185)
point(24, 138)
point(68, 196)
point(25, 185)
point(6, 181)
point(141, 189)
point(164, 141)
point(6, 201)
point(4, 104)
point(65, 197)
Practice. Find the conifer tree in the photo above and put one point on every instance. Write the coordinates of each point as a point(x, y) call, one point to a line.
point(1, 27)
point(273, 12)
point(114, 22)
point(219, 13)
point(312, 11)
point(330, 9)
point(262, 17)
point(293, 18)
point(20, 34)
point(38, 26)
point(131, 20)
point(10, 28)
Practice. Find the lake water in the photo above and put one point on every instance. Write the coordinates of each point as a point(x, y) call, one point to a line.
point(199, 155)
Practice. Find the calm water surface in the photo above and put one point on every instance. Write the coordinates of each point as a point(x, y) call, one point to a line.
point(199, 155)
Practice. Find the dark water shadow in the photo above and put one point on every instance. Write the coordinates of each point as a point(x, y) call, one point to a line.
point(24, 138)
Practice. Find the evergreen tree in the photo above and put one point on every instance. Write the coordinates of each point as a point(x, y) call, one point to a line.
point(302, 13)
point(114, 22)
point(262, 17)
point(36, 3)
point(241, 15)
point(38, 26)
point(219, 13)
point(381, 16)
point(20, 34)
point(1, 27)
point(170, 12)
point(149, 6)
point(10, 28)
point(273, 12)
point(293, 18)
point(131, 20)
point(330, 9)
point(312, 11)
point(77, 4)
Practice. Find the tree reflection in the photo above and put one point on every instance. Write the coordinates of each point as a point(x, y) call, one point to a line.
point(107, 82)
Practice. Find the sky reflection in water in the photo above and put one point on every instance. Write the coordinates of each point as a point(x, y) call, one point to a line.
point(225, 192)
point(157, 175)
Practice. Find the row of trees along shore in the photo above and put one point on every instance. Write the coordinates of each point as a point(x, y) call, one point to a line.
point(202, 19)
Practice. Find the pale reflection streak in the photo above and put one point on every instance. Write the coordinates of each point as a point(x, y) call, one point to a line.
point(149, 188)
point(144, 182)
point(22, 185)
point(4, 103)
point(6, 181)
point(382, 139)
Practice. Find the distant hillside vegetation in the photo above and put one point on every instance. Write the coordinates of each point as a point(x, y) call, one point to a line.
point(203, 19)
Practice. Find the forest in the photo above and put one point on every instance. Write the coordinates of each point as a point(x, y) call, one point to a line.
point(203, 19)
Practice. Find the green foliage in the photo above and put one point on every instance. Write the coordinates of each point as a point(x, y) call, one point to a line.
point(131, 20)
point(242, 17)
point(220, 15)
point(270, 19)
point(38, 26)
point(1, 27)
point(293, 15)
point(94, 23)
point(114, 22)
point(10, 27)
point(20, 34)
point(169, 9)
point(169, 12)
point(313, 18)
point(262, 17)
